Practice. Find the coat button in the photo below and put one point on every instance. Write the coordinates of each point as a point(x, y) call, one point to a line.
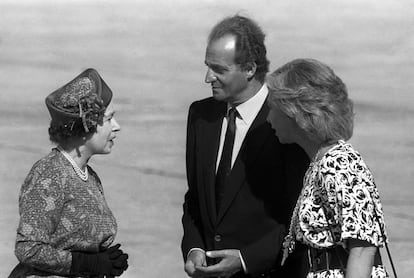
point(217, 238)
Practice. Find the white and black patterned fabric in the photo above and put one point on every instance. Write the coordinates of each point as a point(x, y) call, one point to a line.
point(342, 183)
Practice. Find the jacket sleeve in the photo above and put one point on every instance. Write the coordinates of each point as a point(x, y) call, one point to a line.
point(40, 202)
point(263, 255)
point(296, 162)
point(191, 219)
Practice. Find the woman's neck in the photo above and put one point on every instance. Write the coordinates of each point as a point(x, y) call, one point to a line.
point(77, 154)
point(314, 150)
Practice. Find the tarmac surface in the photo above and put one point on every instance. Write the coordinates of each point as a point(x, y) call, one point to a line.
point(151, 53)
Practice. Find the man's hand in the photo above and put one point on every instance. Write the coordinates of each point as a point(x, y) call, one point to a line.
point(196, 258)
point(229, 264)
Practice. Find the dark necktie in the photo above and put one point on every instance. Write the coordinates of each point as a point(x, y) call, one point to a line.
point(224, 167)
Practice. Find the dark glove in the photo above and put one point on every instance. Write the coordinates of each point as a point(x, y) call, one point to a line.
point(118, 257)
point(111, 262)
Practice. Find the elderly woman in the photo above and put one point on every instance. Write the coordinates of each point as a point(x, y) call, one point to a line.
point(66, 227)
point(338, 214)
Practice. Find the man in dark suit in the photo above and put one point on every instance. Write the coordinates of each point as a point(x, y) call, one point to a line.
point(242, 183)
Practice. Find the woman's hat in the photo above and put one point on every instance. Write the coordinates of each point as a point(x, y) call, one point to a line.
point(86, 96)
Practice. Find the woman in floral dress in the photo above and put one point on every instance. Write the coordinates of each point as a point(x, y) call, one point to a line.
point(338, 215)
point(66, 227)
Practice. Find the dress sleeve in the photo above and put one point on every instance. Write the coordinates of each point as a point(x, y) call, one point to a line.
point(359, 206)
point(40, 204)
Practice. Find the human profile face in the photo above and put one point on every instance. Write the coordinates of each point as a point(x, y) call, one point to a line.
point(228, 81)
point(102, 140)
point(285, 127)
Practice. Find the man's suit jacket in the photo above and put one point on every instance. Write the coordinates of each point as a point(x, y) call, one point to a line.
point(259, 196)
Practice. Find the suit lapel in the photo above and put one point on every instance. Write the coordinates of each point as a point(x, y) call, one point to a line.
point(210, 140)
point(255, 138)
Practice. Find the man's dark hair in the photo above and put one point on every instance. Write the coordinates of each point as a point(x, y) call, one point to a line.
point(249, 42)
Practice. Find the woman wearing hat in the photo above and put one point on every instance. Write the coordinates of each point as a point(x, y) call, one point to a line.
point(66, 227)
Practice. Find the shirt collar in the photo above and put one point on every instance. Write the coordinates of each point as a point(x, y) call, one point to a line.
point(249, 109)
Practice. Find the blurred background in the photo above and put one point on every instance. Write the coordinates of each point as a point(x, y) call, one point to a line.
point(151, 54)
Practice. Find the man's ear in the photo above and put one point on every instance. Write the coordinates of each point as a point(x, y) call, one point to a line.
point(250, 69)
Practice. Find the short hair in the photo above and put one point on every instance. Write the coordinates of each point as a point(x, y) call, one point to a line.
point(309, 92)
point(250, 45)
point(61, 133)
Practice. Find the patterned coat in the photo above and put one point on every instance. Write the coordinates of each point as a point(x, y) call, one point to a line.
point(59, 213)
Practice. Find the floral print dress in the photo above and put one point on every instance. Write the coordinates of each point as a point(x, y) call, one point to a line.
point(342, 183)
point(59, 213)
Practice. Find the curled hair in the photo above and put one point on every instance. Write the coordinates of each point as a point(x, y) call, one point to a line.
point(309, 92)
point(62, 132)
point(250, 47)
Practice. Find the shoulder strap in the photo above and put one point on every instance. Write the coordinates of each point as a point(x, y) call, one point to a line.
point(342, 264)
point(385, 240)
point(323, 189)
point(381, 230)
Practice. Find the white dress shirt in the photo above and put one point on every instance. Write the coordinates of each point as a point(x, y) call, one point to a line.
point(247, 112)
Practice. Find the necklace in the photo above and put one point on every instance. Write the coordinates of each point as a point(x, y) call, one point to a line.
point(289, 241)
point(83, 175)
